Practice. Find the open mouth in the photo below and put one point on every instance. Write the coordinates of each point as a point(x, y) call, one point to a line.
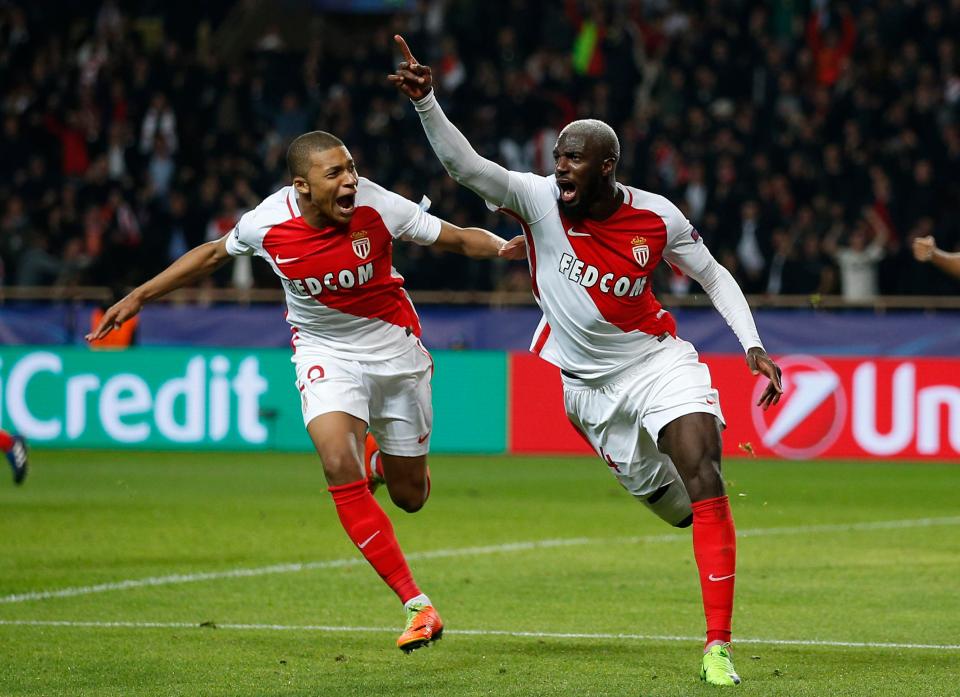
point(568, 191)
point(346, 203)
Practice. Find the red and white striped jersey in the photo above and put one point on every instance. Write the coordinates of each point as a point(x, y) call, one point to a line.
point(343, 295)
point(592, 278)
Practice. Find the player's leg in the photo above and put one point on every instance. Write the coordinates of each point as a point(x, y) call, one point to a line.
point(682, 413)
point(336, 405)
point(401, 418)
point(607, 418)
point(693, 443)
point(15, 449)
point(402, 421)
point(408, 480)
point(337, 437)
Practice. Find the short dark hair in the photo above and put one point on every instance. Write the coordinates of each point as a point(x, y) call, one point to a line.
point(298, 154)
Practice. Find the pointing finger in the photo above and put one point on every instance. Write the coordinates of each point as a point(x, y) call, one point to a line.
point(404, 49)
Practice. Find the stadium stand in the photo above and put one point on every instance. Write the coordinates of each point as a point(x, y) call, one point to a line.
point(808, 145)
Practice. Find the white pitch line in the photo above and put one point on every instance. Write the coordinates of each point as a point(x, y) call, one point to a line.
point(174, 579)
point(469, 632)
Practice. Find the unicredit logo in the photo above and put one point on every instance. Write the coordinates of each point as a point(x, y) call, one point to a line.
point(812, 413)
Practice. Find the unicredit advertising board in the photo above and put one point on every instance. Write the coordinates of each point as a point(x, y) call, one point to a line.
point(214, 399)
point(906, 408)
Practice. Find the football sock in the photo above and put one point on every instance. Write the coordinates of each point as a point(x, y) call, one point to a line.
point(6, 441)
point(715, 549)
point(371, 455)
point(421, 599)
point(371, 531)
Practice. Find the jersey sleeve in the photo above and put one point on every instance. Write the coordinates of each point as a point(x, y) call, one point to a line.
point(529, 196)
point(685, 248)
point(404, 219)
point(243, 240)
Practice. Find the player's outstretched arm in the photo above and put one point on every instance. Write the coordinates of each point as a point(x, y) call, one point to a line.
point(478, 243)
point(687, 252)
point(925, 250)
point(728, 298)
point(198, 263)
point(462, 162)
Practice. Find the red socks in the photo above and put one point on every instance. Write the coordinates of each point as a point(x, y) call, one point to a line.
point(6, 441)
point(715, 549)
point(369, 527)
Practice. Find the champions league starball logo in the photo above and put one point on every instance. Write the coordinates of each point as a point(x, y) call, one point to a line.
point(812, 413)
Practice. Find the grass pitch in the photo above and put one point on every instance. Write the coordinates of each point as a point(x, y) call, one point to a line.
point(198, 574)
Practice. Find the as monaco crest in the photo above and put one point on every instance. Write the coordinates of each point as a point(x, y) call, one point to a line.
point(641, 252)
point(361, 245)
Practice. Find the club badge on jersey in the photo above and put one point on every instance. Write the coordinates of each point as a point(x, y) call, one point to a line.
point(361, 243)
point(641, 251)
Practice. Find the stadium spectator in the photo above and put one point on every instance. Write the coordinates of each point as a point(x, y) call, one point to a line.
point(859, 259)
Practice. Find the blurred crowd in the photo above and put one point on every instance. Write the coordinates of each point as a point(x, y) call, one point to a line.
point(809, 142)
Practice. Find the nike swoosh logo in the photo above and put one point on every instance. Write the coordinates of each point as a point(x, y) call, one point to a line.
point(368, 540)
point(422, 438)
point(281, 260)
point(711, 577)
point(573, 233)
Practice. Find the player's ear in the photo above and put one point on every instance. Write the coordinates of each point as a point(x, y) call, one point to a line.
point(301, 185)
point(608, 166)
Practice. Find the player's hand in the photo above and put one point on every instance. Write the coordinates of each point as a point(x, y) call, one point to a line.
point(115, 316)
point(923, 248)
point(515, 249)
point(759, 362)
point(411, 78)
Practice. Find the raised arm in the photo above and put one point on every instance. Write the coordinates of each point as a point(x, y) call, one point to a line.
point(462, 162)
point(198, 263)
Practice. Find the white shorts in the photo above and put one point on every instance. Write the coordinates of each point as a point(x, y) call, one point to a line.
point(393, 396)
point(622, 417)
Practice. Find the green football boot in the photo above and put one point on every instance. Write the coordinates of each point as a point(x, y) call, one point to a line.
point(717, 667)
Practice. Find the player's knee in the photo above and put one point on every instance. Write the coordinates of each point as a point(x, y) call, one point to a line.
point(671, 504)
point(408, 499)
point(341, 466)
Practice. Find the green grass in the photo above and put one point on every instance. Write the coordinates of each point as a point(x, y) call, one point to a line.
point(85, 518)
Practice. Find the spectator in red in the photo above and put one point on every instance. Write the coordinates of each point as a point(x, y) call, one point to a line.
point(74, 156)
point(831, 47)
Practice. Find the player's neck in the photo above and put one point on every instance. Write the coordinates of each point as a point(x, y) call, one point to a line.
point(311, 217)
point(608, 203)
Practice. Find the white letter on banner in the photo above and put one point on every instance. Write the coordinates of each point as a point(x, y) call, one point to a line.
point(77, 388)
point(248, 386)
point(21, 374)
point(219, 408)
point(929, 402)
point(865, 409)
point(192, 388)
point(114, 405)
